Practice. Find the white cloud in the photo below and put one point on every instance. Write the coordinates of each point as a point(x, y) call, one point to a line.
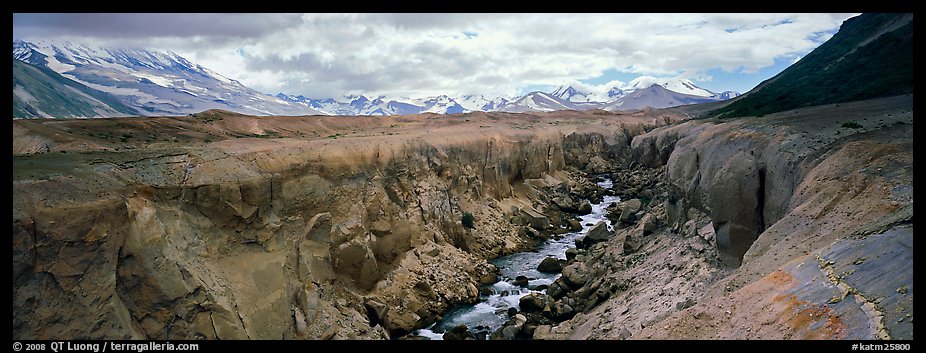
point(427, 54)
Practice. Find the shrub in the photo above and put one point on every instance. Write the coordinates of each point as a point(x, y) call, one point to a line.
point(852, 125)
point(468, 220)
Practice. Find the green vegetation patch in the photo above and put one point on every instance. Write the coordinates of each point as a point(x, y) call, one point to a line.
point(468, 220)
point(852, 125)
point(838, 71)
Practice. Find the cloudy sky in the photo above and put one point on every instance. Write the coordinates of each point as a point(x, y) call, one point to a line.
point(417, 55)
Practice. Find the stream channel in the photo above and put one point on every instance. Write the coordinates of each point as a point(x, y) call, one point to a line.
point(490, 313)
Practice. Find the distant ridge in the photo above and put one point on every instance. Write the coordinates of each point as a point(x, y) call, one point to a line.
point(42, 93)
point(870, 57)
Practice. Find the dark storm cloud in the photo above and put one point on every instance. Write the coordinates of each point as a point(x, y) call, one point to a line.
point(135, 26)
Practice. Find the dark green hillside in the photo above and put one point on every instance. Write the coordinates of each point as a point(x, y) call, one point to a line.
point(871, 56)
point(40, 92)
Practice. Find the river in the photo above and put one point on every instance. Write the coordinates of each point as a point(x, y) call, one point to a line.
point(490, 313)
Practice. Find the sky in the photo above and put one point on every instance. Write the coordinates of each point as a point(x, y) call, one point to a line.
point(420, 55)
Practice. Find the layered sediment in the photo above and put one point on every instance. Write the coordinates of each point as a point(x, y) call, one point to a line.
point(796, 225)
point(222, 226)
point(793, 225)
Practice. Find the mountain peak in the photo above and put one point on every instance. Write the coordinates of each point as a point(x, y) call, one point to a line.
point(679, 85)
point(152, 82)
point(163, 82)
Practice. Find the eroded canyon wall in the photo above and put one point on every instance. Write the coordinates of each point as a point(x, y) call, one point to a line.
point(282, 239)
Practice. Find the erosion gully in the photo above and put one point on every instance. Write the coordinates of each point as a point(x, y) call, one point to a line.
point(490, 313)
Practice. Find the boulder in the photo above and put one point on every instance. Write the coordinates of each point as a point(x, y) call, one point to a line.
point(580, 242)
point(488, 278)
point(551, 265)
point(562, 311)
point(535, 302)
point(506, 333)
point(598, 233)
point(530, 232)
point(566, 204)
point(574, 225)
point(535, 219)
point(528, 330)
point(512, 311)
point(586, 291)
point(571, 254)
point(633, 242)
point(707, 232)
point(460, 332)
point(632, 205)
point(628, 212)
point(557, 289)
point(648, 223)
point(575, 275)
point(401, 322)
point(585, 207)
point(519, 320)
point(521, 281)
point(511, 329)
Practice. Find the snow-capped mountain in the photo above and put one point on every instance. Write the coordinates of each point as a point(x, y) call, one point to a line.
point(673, 84)
point(573, 94)
point(566, 97)
point(615, 93)
point(381, 106)
point(481, 103)
point(42, 93)
point(726, 95)
point(655, 96)
point(153, 82)
point(164, 83)
point(614, 98)
point(537, 102)
point(442, 105)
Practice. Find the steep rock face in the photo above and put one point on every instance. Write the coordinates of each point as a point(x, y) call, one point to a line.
point(750, 163)
point(792, 184)
point(275, 238)
point(819, 247)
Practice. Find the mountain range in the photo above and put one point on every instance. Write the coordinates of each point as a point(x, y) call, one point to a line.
point(146, 82)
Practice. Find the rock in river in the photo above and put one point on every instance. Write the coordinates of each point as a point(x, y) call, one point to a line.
point(585, 207)
point(551, 265)
point(535, 302)
point(521, 281)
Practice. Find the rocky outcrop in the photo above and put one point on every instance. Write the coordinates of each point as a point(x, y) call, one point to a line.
point(775, 227)
point(287, 238)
